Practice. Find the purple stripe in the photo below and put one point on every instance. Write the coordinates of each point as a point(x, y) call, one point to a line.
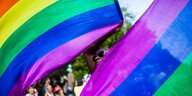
point(62, 55)
point(133, 47)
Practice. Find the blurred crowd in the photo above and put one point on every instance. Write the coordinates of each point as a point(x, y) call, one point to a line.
point(57, 86)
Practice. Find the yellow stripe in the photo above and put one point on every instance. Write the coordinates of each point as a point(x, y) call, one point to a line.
point(18, 15)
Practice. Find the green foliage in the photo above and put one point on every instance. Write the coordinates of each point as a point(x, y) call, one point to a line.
point(80, 67)
point(128, 17)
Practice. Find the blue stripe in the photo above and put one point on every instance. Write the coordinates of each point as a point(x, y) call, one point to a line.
point(162, 60)
point(60, 34)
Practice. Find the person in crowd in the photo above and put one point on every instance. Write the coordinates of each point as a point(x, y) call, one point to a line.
point(58, 91)
point(71, 80)
point(79, 86)
point(39, 85)
point(46, 82)
point(68, 91)
point(32, 92)
point(49, 91)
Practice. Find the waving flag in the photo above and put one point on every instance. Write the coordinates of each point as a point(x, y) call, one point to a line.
point(5, 5)
point(37, 37)
point(153, 58)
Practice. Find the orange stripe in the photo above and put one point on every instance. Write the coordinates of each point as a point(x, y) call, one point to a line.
point(5, 5)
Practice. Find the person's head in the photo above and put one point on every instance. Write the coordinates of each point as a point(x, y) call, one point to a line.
point(57, 89)
point(49, 88)
point(31, 90)
point(65, 82)
point(46, 81)
point(79, 82)
point(99, 55)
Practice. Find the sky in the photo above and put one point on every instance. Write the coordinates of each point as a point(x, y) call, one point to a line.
point(137, 7)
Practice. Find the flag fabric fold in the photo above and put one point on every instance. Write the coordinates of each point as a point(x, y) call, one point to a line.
point(153, 58)
point(48, 36)
point(6, 5)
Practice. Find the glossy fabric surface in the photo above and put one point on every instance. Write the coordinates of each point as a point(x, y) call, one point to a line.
point(154, 52)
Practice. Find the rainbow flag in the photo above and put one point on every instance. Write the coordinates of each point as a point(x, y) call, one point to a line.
point(37, 37)
point(5, 5)
point(153, 58)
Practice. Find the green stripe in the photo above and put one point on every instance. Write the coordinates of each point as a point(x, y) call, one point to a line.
point(180, 83)
point(42, 22)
